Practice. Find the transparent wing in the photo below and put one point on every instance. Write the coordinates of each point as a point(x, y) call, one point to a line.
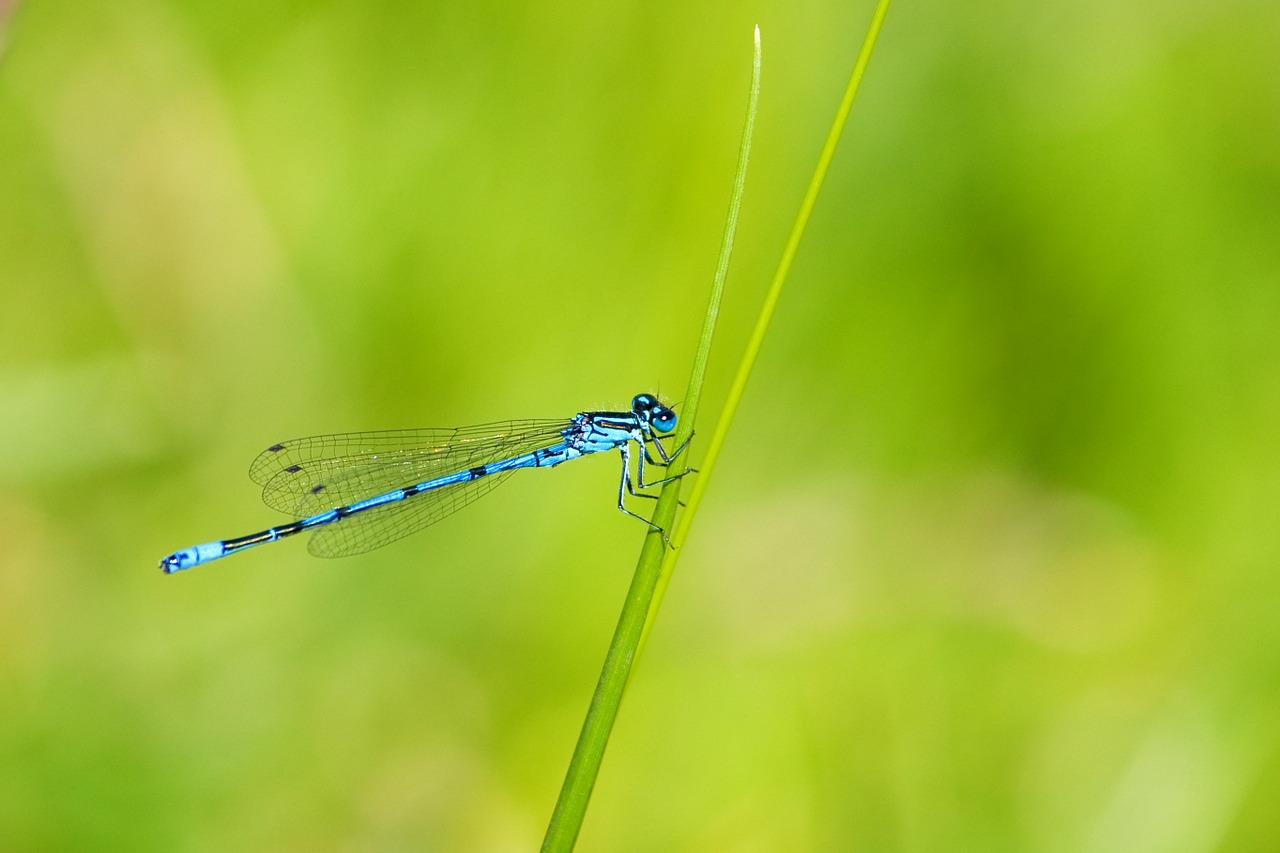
point(308, 475)
point(382, 525)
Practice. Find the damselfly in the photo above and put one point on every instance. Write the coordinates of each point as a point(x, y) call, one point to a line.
point(382, 486)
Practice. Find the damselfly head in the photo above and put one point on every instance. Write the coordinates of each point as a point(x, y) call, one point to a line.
point(649, 408)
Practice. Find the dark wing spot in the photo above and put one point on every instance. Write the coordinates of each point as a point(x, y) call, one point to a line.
point(275, 448)
point(315, 490)
point(293, 469)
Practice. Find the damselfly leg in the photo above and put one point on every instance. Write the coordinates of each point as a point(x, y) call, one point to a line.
point(634, 489)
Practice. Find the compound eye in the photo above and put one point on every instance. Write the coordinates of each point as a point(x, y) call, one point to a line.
point(643, 403)
point(665, 420)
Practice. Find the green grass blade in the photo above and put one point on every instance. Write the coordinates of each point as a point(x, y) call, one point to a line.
point(712, 455)
point(566, 820)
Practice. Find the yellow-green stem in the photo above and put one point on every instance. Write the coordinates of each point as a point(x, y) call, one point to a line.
point(708, 461)
point(584, 766)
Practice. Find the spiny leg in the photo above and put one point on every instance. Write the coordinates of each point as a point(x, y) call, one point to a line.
point(624, 486)
point(666, 460)
point(662, 451)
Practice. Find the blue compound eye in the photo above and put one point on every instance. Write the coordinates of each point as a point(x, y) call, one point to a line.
point(651, 409)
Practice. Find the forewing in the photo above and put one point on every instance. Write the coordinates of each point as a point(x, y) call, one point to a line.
point(307, 475)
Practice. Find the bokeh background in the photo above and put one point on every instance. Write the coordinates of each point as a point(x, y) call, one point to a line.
point(991, 560)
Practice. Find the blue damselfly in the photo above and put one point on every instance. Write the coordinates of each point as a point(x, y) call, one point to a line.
point(362, 490)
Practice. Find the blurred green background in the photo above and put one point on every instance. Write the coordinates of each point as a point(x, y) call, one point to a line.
point(991, 559)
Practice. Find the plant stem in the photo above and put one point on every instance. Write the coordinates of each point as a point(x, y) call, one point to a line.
point(708, 462)
point(571, 807)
